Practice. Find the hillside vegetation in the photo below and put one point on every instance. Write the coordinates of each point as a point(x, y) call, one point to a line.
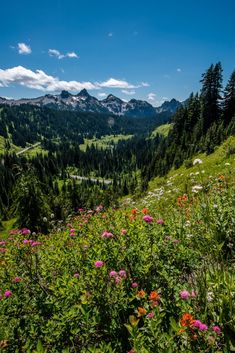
point(156, 279)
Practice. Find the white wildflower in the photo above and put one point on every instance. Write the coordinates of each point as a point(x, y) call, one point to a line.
point(197, 188)
point(197, 161)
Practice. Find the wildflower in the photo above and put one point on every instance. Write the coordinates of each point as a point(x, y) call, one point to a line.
point(148, 219)
point(72, 234)
point(99, 263)
point(122, 273)
point(216, 329)
point(221, 178)
point(210, 296)
point(187, 320)
point(197, 324)
point(181, 200)
point(154, 303)
point(141, 311)
point(16, 280)
point(72, 230)
point(150, 315)
point(154, 296)
point(123, 231)
point(44, 219)
point(36, 243)
point(118, 279)
point(134, 285)
point(26, 241)
point(184, 294)
point(2, 243)
point(112, 274)
point(25, 231)
point(197, 188)
point(160, 221)
point(203, 327)
point(193, 294)
point(197, 161)
point(76, 275)
point(107, 235)
point(145, 211)
point(134, 211)
point(7, 293)
point(141, 293)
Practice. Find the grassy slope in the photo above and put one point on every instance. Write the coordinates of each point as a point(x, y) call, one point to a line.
point(163, 190)
point(162, 130)
point(14, 148)
point(105, 142)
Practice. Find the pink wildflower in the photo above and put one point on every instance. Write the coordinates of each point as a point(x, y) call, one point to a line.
point(7, 293)
point(134, 285)
point(197, 324)
point(72, 234)
point(72, 230)
point(25, 231)
point(148, 219)
point(99, 263)
point(184, 294)
point(112, 274)
point(122, 273)
point(107, 235)
point(2, 243)
point(2, 250)
point(123, 231)
point(150, 315)
point(35, 243)
point(203, 327)
point(76, 275)
point(216, 329)
point(16, 280)
point(160, 221)
point(118, 279)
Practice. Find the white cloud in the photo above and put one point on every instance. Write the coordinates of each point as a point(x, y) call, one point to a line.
point(145, 84)
point(56, 53)
point(179, 70)
point(72, 55)
point(41, 81)
point(24, 48)
point(129, 93)
point(151, 96)
point(102, 95)
point(113, 83)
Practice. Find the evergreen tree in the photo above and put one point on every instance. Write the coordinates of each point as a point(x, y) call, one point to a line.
point(30, 205)
point(211, 95)
point(229, 100)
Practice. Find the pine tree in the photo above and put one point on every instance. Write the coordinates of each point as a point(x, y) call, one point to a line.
point(229, 100)
point(211, 95)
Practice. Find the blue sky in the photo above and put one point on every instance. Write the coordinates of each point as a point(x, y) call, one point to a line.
point(151, 50)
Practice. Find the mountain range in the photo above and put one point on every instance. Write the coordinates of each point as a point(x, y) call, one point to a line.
point(84, 102)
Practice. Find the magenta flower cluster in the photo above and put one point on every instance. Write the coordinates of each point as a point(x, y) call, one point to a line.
point(184, 294)
point(107, 234)
point(147, 219)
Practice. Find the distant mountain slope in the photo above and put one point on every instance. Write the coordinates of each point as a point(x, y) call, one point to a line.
point(84, 102)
